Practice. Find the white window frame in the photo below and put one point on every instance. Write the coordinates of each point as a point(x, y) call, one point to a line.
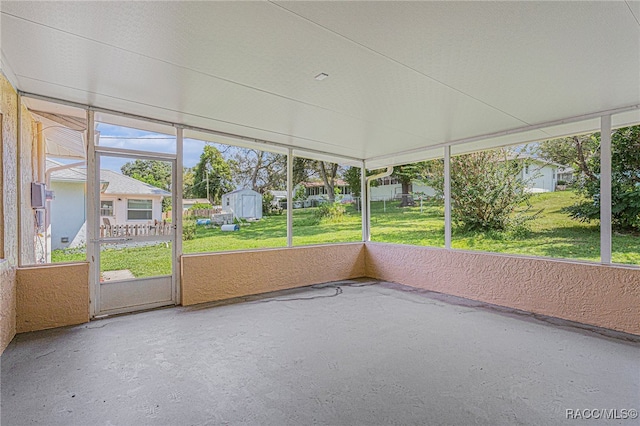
point(150, 210)
point(103, 210)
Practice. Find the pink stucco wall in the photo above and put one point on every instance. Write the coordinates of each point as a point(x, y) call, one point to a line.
point(9, 218)
point(604, 296)
point(50, 296)
point(219, 276)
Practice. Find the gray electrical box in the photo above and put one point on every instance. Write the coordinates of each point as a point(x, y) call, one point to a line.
point(38, 197)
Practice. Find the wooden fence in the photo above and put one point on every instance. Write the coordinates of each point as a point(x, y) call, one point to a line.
point(142, 230)
point(196, 213)
point(201, 212)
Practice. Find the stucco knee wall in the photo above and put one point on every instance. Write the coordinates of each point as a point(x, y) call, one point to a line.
point(52, 296)
point(7, 304)
point(604, 296)
point(8, 210)
point(220, 276)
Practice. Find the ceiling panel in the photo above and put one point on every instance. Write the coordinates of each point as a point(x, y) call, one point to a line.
point(537, 61)
point(403, 76)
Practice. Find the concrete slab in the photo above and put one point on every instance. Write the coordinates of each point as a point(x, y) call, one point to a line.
point(123, 274)
point(341, 354)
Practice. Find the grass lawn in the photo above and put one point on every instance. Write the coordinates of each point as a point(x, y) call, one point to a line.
point(553, 234)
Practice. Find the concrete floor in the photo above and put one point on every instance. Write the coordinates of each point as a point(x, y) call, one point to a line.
point(349, 355)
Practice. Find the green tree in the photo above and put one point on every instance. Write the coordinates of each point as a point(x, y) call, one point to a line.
point(153, 172)
point(211, 176)
point(407, 174)
point(188, 180)
point(353, 179)
point(259, 170)
point(328, 173)
point(625, 181)
point(575, 151)
point(304, 168)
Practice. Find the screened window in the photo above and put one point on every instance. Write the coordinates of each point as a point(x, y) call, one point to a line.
point(106, 208)
point(139, 210)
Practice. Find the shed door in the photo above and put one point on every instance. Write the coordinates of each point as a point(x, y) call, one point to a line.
point(248, 206)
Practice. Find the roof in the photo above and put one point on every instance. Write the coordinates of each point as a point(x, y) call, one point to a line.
point(121, 184)
point(313, 184)
point(530, 157)
point(237, 191)
point(64, 136)
point(70, 175)
point(118, 184)
point(404, 78)
point(278, 194)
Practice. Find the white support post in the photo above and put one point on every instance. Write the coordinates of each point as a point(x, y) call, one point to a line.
point(176, 207)
point(92, 225)
point(605, 189)
point(447, 196)
point(364, 204)
point(290, 198)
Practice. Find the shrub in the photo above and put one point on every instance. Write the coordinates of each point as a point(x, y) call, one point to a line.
point(332, 212)
point(269, 207)
point(200, 206)
point(486, 192)
point(188, 230)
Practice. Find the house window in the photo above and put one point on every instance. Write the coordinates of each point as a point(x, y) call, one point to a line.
point(106, 208)
point(139, 210)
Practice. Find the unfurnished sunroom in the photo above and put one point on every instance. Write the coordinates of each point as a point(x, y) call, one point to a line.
point(194, 100)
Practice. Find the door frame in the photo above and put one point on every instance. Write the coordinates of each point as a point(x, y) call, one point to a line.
point(94, 220)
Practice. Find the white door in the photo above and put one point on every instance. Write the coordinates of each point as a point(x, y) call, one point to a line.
point(248, 206)
point(134, 247)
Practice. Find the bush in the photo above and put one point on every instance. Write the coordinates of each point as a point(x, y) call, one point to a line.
point(269, 207)
point(201, 206)
point(486, 192)
point(332, 212)
point(188, 230)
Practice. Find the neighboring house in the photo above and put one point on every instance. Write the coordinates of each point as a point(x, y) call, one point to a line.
point(243, 203)
point(390, 188)
point(565, 174)
point(68, 210)
point(128, 201)
point(123, 201)
point(315, 190)
point(542, 175)
point(279, 198)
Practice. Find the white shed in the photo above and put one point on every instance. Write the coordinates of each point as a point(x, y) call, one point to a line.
point(243, 203)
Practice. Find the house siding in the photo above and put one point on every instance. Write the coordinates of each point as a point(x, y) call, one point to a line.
point(14, 150)
point(68, 214)
point(543, 177)
point(391, 191)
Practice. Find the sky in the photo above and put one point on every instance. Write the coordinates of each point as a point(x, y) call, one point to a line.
point(124, 137)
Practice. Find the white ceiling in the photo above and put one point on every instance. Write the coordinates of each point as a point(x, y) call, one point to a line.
point(403, 76)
